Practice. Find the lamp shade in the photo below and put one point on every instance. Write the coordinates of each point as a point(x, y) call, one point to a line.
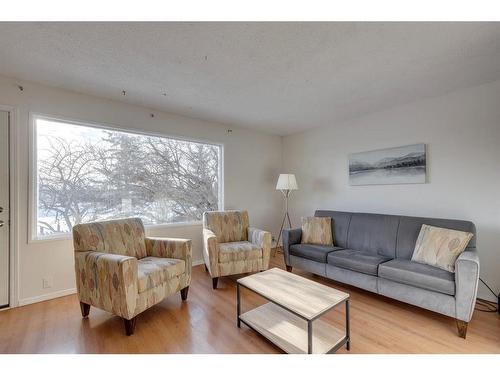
point(287, 182)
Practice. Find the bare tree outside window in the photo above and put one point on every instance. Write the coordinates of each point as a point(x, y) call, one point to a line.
point(86, 173)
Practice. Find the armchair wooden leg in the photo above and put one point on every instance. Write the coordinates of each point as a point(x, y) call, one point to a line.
point(289, 268)
point(130, 325)
point(215, 280)
point(85, 308)
point(462, 328)
point(184, 293)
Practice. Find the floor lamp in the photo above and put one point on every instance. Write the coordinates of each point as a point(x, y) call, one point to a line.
point(286, 183)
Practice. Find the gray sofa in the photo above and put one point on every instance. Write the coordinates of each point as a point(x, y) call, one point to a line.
point(373, 252)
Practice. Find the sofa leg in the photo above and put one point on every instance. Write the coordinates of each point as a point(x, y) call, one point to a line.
point(129, 325)
point(206, 268)
point(462, 328)
point(289, 268)
point(184, 293)
point(85, 308)
point(215, 280)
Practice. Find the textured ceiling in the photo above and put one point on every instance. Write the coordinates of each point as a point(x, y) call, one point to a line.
point(277, 77)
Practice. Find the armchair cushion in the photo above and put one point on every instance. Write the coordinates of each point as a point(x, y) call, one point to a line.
point(154, 271)
point(122, 237)
point(176, 248)
point(241, 250)
point(228, 226)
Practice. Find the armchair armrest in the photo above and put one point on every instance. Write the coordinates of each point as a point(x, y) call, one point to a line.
point(466, 283)
point(177, 248)
point(290, 237)
point(107, 281)
point(262, 239)
point(210, 252)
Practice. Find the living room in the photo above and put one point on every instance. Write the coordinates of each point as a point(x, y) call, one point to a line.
point(177, 187)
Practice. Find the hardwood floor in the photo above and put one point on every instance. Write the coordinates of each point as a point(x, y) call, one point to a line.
point(206, 323)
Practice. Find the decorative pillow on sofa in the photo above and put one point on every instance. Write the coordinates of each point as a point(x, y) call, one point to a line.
point(440, 247)
point(317, 230)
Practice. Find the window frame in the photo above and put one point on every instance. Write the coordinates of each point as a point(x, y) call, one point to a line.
point(33, 171)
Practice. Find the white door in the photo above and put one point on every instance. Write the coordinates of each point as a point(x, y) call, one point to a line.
point(4, 208)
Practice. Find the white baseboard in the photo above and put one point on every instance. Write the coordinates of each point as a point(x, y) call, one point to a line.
point(45, 297)
point(198, 262)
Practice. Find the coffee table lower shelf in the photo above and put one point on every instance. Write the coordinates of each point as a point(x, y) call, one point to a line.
point(289, 332)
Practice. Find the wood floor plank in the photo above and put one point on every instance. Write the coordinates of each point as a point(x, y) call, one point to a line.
point(206, 323)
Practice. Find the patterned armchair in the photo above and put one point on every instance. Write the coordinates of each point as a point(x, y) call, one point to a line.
point(120, 270)
point(231, 247)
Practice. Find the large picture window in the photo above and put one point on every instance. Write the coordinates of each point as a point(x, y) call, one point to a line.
point(85, 173)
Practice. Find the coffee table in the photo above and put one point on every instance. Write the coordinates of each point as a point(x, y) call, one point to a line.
point(294, 304)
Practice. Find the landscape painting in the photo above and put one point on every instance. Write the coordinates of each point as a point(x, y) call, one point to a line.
point(398, 165)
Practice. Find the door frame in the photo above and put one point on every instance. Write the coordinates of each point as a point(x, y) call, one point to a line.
point(13, 207)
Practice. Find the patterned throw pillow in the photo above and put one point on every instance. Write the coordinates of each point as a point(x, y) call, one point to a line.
point(440, 247)
point(317, 230)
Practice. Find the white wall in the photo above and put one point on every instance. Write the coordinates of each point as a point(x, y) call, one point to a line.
point(461, 129)
point(462, 133)
point(252, 162)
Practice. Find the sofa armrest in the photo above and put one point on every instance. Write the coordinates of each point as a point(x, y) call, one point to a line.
point(210, 252)
point(262, 239)
point(107, 281)
point(466, 283)
point(290, 237)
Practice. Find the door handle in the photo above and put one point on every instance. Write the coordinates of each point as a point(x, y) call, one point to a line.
point(1, 223)
point(1, 210)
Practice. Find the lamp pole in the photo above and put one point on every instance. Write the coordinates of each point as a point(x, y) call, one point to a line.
point(286, 183)
point(286, 193)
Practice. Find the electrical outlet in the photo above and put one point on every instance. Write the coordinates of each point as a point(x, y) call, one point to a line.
point(47, 282)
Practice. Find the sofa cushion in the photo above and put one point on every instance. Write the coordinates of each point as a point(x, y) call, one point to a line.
point(440, 247)
point(373, 233)
point(340, 225)
point(318, 253)
point(409, 229)
point(355, 260)
point(241, 250)
point(152, 271)
point(418, 275)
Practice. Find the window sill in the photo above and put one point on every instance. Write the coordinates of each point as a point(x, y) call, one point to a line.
point(174, 225)
point(67, 236)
